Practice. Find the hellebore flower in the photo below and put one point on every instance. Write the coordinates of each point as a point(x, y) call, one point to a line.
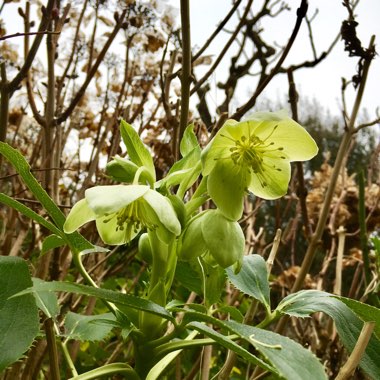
point(121, 211)
point(254, 155)
point(211, 233)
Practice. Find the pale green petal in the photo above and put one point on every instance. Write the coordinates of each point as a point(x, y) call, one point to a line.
point(296, 142)
point(107, 228)
point(80, 214)
point(271, 183)
point(226, 186)
point(219, 146)
point(164, 211)
point(108, 199)
point(268, 116)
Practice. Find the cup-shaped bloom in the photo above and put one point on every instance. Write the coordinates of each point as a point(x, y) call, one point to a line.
point(212, 233)
point(122, 211)
point(254, 155)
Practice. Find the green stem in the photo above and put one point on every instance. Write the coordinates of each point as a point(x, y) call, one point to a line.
point(68, 359)
point(77, 260)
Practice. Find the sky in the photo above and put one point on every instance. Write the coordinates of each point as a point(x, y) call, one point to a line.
point(322, 82)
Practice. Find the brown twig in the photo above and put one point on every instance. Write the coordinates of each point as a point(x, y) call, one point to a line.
point(27, 34)
point(301, 13)
point(301, 188)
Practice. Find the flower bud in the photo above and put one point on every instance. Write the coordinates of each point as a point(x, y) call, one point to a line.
point(211, 233)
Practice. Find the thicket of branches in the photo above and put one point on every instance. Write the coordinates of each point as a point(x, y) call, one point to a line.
point(85, 65)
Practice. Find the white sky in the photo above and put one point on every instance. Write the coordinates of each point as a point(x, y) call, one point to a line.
point(322, 82)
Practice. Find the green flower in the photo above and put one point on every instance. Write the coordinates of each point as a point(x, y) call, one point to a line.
point(121, 211)
point(254, 155)
point(211, 233)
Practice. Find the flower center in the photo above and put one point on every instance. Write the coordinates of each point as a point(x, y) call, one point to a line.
point(250, 152)
point(132, 219)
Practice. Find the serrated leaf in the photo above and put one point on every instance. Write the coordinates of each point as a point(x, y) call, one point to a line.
point(46, 301)
point(291, 360)
point(303, 303)
point(366, 313)
point(189, 141)
point(348, 324)
point(252, 279)
point(51, 242)
point(137, 151)
point(88, 327)
point(104, 294)
point(19, 322)
point(226, 342)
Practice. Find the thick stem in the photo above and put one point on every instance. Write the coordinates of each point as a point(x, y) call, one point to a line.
point(52, 348)
point(4, 103)
point(186, 71)
point(358, 351)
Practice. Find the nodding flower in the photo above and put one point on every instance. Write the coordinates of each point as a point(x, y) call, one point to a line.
point(122, 211)
point(254, 155)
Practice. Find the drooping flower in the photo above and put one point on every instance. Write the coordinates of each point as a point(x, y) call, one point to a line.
point(122, 211)
point(211, 233)
point(254, 155)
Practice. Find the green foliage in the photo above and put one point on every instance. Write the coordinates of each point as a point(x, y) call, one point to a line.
point(348, 324)
point(19, 322)
point(252, 279)
point(88, 327)
point(180, 242)
point(104, 294)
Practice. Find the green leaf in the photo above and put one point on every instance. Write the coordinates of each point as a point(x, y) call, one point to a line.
point(107, 370)
point(184, 172)
point(46, 301)
point(303, 303)
point(348, 324)
point(104, 294)
point(51, 242)
point(234, 313)
point(88, 327)
point(230, 344)
point(137, 151)
point(252, 279)
point(22, 167)
point(189, 277)
point(189, 141)
point(366, 313)
point(76, 241)
point(19, 322)
point(291, 360)
point(5, 199)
